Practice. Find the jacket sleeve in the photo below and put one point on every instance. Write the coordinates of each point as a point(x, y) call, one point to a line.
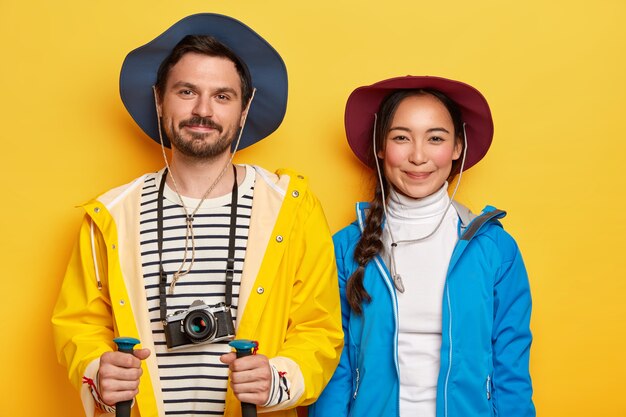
point(334, 401)
point(82, 320)
point(512, 387)
point(313, 339)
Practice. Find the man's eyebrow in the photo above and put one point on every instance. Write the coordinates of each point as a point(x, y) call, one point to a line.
point(192, 86)
point(227, 90)
point(184, 84)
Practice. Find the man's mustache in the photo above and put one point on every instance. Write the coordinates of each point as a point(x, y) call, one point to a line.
point(200, 121)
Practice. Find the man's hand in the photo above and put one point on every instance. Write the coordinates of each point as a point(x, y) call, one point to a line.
point(118, 375)
point(250, 378)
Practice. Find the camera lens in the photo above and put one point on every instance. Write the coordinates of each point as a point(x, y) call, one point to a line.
point(199, 326)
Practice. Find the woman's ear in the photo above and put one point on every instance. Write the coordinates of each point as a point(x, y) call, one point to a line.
point(458, 149)
point(380, 151)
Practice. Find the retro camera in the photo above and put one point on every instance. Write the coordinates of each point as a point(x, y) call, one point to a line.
point(200, 323)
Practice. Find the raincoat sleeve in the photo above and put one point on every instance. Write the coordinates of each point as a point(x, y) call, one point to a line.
point(335, 399)
point(82, 319)
point(511, 383)
point(313, 340)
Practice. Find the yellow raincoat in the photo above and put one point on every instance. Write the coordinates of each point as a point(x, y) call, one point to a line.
point(288, 296)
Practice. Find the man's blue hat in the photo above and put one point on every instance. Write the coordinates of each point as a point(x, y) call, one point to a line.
point(266, 67)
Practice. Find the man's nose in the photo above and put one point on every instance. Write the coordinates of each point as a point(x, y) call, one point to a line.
point(203, 107)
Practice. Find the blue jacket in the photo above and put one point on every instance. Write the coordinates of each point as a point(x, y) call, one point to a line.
point(485, 331)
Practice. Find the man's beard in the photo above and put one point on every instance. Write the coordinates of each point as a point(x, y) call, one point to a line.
point(195, 146)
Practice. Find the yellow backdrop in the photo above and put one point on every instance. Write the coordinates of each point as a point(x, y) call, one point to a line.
point(553, 72)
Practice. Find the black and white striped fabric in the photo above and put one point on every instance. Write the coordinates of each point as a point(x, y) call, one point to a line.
point(193, 380)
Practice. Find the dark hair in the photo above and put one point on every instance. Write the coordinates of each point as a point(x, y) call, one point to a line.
point(204, 45)
point(370, 243)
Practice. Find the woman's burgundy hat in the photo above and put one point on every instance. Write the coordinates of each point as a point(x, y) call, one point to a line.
point(365, 101)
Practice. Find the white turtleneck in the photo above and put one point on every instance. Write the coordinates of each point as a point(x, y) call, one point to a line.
point(423, 266)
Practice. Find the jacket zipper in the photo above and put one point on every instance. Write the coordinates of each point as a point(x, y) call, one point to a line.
point(445, 389)
point(447, 290)
point(356, 389)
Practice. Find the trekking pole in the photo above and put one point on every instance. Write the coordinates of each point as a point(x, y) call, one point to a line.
point(245, 348)
point(126, 345)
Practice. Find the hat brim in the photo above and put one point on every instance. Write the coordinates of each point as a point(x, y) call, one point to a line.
point(267, 70)
point(364, 103)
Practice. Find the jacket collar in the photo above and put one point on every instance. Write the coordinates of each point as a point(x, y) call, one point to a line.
point(464, 213)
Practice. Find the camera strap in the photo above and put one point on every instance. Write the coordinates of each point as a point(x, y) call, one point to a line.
point(230, 261)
